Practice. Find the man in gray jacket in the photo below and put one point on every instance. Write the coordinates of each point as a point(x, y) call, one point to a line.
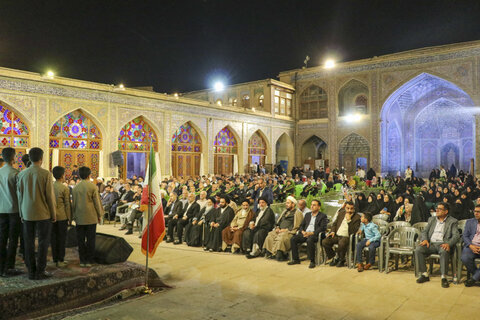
point(10, 224)
point(36, 200)
point(87, 212)
point(439, 237)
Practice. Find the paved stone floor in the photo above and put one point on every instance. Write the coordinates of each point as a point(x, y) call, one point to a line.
point(225, 286)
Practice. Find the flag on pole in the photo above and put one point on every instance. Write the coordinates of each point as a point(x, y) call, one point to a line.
point(151, 197)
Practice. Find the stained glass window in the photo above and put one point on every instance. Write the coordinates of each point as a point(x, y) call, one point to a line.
point(256, 145)
point(186, 139)
point(13, 131)
point(225, 142)
point(135, 136)
point(75, 131)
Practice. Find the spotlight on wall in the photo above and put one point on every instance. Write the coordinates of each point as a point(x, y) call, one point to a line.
point(175, 95)
point(50, 75)
point(352, 118)
point(329, 64)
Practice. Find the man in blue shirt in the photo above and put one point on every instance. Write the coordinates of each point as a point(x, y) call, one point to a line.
point(371, 240)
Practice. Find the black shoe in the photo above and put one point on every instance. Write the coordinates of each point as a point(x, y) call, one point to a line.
point(470, 283)
point(130, 231)
point(43, 275)
point(280, 256)
point(312, 265)
point(32, 277)
point(169, 240)
point(423, 279)
point(340, 263)
point(177, 242)
point(333, 263)
point(249, 256)
point(291, 263)
point(124, 227)
point(445, 283)
point(14, 272)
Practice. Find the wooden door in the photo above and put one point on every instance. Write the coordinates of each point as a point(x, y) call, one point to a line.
point(223, 164)
point(185, 164)
point(69, 158)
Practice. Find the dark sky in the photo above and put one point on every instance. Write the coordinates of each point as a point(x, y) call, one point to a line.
point(185, 45)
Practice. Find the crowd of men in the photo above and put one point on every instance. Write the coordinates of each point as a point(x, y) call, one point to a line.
point(234, 214)
point(33, 207)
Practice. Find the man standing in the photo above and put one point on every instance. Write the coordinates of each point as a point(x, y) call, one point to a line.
point(10, 223)
point(64, 217)
point(277, 243)
point(36, 200)
point(222, 220)
point(346, 224)
point(87, 212)
point(471, 249)
point(439, 237)
point(261, 190)
point(314, 223)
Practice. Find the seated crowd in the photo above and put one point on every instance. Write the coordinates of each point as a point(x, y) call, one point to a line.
point(234, 214)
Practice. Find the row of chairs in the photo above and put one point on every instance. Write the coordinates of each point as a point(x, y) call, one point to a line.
point(400, 239)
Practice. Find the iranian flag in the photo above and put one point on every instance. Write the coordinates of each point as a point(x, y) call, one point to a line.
point(151, 197)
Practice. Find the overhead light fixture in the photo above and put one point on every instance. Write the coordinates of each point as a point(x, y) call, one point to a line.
point(120, 87)
point(218, 86)
point(50, 75)
point(353, 117)
point(329, 64)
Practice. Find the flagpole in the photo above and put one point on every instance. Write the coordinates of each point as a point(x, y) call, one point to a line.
point(149, 212)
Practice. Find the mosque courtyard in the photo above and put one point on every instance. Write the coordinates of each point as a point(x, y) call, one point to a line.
point(225, 286)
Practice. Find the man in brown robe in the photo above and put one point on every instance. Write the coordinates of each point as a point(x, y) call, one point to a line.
point(232, 235)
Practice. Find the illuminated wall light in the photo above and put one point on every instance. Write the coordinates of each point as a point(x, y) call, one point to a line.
point(329, 64)
point(49, 75)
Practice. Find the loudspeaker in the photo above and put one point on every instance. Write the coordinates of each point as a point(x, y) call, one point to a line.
point(117, 158)
point(111, 249)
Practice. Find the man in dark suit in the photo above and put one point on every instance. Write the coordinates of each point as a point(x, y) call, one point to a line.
point(170, 207)
point(126, 197)
point(258, 229)
point(346, 224)
point(10, 223)
point(191, 211)
point(261, 190)
point(313, 224)
point(224, 215)
point(36, 200)
point(471, 249)
point(439, 237)
point(176, 214)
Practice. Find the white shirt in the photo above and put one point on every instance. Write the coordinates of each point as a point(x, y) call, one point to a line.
point(311, 225)
point(343, 229)
point(260, 215)
point(438, 232)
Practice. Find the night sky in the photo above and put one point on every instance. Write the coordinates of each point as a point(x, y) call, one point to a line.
point(186, 45)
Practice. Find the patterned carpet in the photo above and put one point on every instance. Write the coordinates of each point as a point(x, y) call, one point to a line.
point(70, 287)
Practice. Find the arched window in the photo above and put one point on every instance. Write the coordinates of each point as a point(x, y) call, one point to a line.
point(134, 141)
point(224, 148)
point(361, 103)
point(246, 101)
point(13, 133)
point(257, 149)
point(78, 141)
point(260, 101)
point(313, 103)
point(186, 151)
point(136, 135)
